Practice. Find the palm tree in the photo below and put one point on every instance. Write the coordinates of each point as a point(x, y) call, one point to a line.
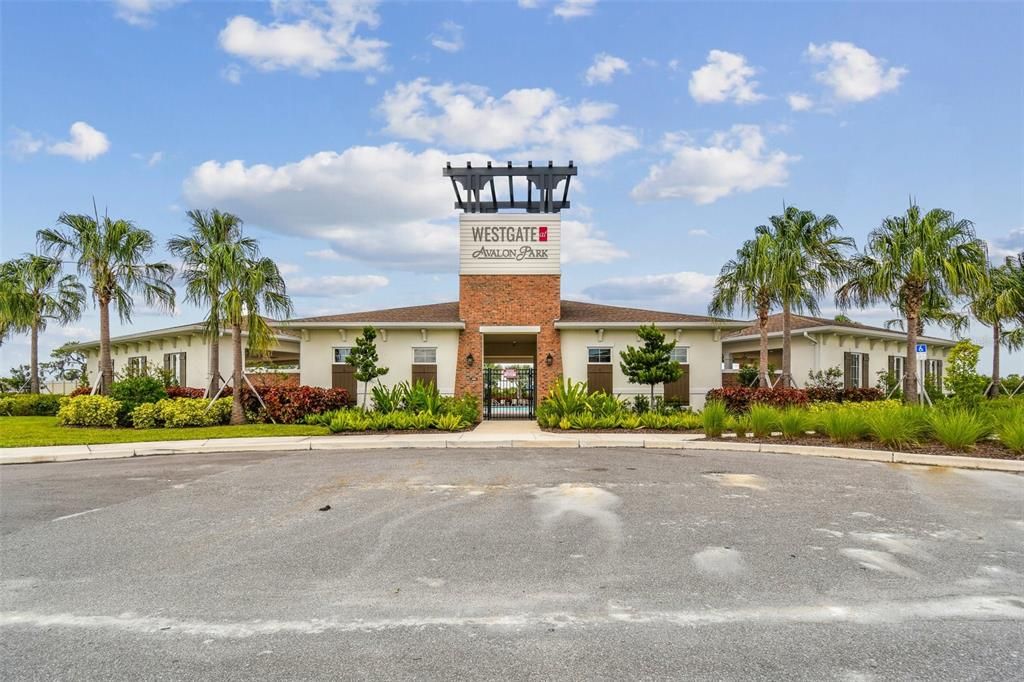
point(748, 282)
point(113, 255)
point(15, 307)
point(918, 263)
point(999, 304)
point(252, 285)
point(202, 286)
point(43, 294)
point(810, 258)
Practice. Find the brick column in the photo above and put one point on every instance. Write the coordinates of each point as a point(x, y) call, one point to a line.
point(508, 300)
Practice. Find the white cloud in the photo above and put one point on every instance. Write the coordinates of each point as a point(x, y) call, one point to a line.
point(22, 143)
point(449, 38)
point(691, 290)
point(467, 116)
point(334, 285)
point(528, 4)
point(86, 143)
point(1007, 246)
point(574, 9)
point(582, 243)
point(232, 73)
point(384, 205)
point(852, 73)
point(698, 233)
point(726, 76)
point(736, 160)
point(140, 12)
point(673, 64)
point(605, 67)
point(320, 37)
point(798, 101)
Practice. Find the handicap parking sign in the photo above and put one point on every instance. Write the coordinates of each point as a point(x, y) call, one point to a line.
point(922, 350)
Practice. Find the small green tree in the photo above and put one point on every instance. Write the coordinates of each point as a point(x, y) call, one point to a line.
point(652, 363)
point(364, 358)
point(962, 379)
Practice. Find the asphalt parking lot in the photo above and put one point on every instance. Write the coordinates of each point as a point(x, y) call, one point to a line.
point(510, 564)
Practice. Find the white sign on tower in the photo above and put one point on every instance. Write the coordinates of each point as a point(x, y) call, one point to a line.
point(510, 244)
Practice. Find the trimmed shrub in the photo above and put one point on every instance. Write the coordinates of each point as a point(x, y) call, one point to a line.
point(184, 392)
point(30, 405)
point(349, 420)
point(582, 421)
point(185, 412)
point(861, 395)
point(291, 404)
point(713, 418)
point(81, 390)
point(958, 429)
point(653, 420)
point(147, 416)
point(133, 391)
point(89, 410)
point(467, 407)
point(739, 399)
point(628, 420)
point(683, 421)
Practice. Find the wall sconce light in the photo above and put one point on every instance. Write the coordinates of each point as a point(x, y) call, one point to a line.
point(549, 360)
point(469, 360)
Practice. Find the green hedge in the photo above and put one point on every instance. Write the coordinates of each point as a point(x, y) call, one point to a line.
point(29, 405)
point(89, 410)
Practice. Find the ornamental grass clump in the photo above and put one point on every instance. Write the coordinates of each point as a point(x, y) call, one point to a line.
point(897, 428)
point(795, 422)
point(1011, 434)
point(959, 428)
point(843, 425)
point(763, 420)
point(739, 424)
point(713, 418)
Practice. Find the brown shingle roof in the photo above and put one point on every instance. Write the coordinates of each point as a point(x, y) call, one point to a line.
point(433, 312)
point(572, 311)
point(576, 311)
point(805, 322)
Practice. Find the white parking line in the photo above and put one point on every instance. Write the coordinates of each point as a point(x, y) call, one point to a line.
point(71, 516)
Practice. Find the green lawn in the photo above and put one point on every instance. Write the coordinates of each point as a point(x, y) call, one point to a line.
point(30, 431)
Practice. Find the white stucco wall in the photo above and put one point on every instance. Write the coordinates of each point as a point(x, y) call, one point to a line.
point(394, 346)
point(705, 358)
point(194, 346)
point(829, 352)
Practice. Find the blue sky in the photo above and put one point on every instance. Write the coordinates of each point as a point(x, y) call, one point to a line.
point(324, 126)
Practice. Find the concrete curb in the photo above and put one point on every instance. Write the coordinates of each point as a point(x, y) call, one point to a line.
point(69, 453)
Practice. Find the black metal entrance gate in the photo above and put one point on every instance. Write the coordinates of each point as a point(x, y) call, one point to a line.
point(509, 393)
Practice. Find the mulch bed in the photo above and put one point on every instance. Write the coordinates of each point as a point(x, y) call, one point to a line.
point(987, 449)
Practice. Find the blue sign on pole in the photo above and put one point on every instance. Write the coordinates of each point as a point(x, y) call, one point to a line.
point(922, 348)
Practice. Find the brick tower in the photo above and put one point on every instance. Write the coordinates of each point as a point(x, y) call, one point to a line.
point(509, 270)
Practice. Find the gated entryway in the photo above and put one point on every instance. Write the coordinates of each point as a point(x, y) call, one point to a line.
point(509, 392)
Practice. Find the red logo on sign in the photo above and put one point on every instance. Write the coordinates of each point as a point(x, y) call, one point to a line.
point(543, 234)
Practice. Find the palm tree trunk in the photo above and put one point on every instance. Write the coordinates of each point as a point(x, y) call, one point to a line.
point(787, 365)
point(34, 359)
point(762, 361)
point(910, 360)
point(215, 353)
point(237, 410)
point(106, 367)
point(993, 391)
point(652, 397)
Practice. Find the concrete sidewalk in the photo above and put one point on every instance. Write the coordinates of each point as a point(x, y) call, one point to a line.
point(492, 434)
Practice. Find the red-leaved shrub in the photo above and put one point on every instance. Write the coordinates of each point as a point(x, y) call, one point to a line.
point(861, 395)
point(81, 390)
point(290, 404)
point(739, 398)
point(184, 392)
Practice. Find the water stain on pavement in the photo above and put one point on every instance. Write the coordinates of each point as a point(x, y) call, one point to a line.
point(879, 561)
point(750, 481)
point(568, 499)
point(723, 562)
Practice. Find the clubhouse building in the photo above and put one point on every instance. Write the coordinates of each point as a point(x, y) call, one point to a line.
point(510, 334)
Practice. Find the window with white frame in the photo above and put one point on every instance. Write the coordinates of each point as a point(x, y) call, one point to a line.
point(424, 356)
point(137, 363)
point(897, 366)
point(599, 355)
point(174, 364)
point(681, 354)
point(341, 354)
point(855, 373)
